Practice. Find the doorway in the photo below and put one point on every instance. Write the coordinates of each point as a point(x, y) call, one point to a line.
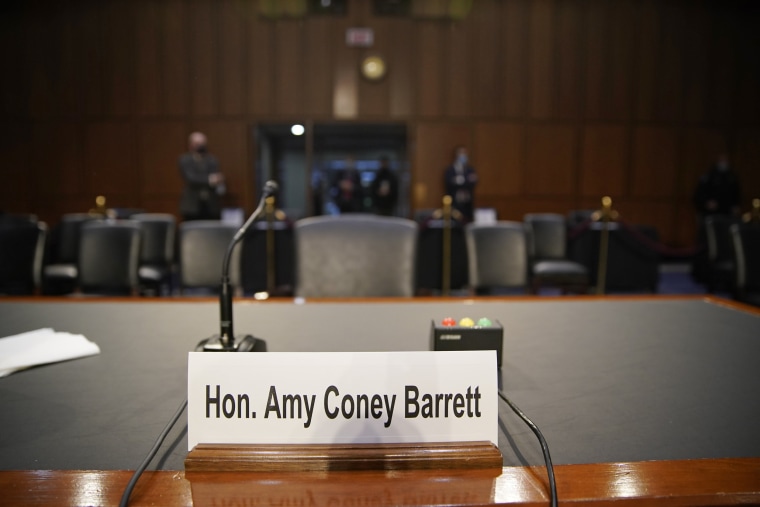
point(306, 160)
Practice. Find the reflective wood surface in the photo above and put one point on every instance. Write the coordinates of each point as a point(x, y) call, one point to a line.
point(662, 483)
point(346, 457)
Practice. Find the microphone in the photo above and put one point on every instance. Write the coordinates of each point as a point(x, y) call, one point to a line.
point(225, 340)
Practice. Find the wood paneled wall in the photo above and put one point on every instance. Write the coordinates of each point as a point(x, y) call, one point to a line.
point(560, 101)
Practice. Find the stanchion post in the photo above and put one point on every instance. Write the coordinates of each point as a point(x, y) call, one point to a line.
point(446, 258)
point(604, 215)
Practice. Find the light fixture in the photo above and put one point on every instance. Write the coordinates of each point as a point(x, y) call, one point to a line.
point(297, 129)
point(373, 68)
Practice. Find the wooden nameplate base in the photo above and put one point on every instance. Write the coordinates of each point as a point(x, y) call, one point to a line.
point(335, 457)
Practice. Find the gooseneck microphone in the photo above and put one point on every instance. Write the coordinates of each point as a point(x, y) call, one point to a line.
point(225, 341)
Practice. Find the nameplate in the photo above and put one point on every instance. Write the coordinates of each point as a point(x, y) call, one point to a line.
point(342, 397)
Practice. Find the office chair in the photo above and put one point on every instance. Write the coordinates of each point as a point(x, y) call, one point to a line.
point(632, 265)
point(267, 258)
point(721, 268)
point(202, 248)
point(6, 218)
point(22, 248)
point(364, 256)
point(547, 252)
point(746, 247)
point(497, 256)
point(156, 251)
point(430, 256)
point(109, 257)
point(60, 274)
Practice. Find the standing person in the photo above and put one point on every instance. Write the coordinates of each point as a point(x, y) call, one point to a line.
point(204, 183)
point(717, 194)
point(460, 179)
point(347, 188)
point(718, 191)
point(384, 189)
point(317, 190)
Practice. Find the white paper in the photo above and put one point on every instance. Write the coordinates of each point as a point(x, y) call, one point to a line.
point(42, 346)
point(341, 397)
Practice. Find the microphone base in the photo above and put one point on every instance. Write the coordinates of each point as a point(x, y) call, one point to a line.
point(214, 344)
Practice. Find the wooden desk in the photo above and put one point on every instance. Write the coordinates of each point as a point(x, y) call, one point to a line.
point(660, 483)
point(661, 446)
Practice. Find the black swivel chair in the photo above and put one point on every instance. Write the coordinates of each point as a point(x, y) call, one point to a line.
point(632, 265)
point(430, 253)
point(202, 247)
point(267, 261)
point(109, 256)
point(156, 252)
point(355, 256)
point(22, 248)
point(497, 256)
point(60, 274)
point(746, 242)
point(547, 247)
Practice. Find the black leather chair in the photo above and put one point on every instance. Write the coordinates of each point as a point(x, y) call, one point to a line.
point(11, 218)
point(109, 257)
point(632, 266)
point(156, 251)
point(430, 254)
point(203, 246)
point(497, 256)
point(547, 252)
point(60, 274)
point(746, 248)
point(22, 248)
point(346, 256)
point(256, 268)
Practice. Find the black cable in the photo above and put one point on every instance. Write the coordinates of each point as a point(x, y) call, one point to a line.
point(544, 447)
point(160, 440)
point(151, 454)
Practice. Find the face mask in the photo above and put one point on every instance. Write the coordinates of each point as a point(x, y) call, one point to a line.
point(201, 149)
point(462, 159)
point(722, 166)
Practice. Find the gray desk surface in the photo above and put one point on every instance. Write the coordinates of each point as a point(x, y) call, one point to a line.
point(608, 380)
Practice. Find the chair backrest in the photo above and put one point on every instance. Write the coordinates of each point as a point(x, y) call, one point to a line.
point(109, 255)
point(202, 247)
point(364, 256)
point(746, 240)
point(22, 248)
point(497, 255)
point(255, 256)
point(430, 256)
point(18, 217)
point(547, 235)
point(68, 237)
point(158, 233)
point(718, 235)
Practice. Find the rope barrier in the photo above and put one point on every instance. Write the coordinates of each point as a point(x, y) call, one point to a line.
point(635, 233)
point(658, 247)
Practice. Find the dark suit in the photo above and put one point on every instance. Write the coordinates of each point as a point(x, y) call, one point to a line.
point(460, 185)
point(347, 191)
point(384, 191)
point(200, 200)
point(721, 186)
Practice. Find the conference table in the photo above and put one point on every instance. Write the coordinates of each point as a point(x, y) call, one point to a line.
point(642, 399)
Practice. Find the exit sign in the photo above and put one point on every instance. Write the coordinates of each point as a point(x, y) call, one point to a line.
point(360, 37)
